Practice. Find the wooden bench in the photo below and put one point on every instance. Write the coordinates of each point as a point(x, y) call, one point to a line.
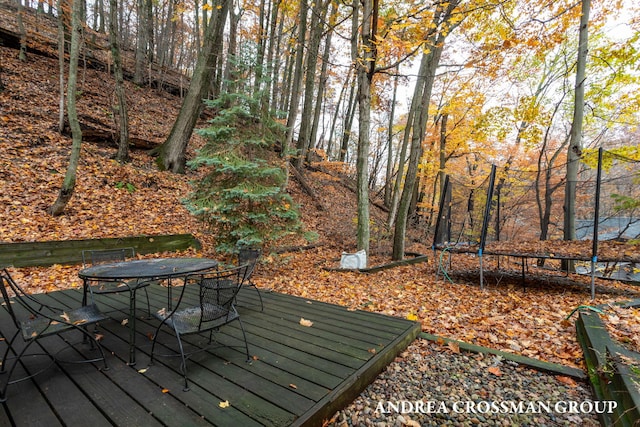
point(31, 254)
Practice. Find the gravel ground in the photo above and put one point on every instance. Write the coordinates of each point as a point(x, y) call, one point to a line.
point(467, 389)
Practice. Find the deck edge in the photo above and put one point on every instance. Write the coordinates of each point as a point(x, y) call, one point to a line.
point(348, 390)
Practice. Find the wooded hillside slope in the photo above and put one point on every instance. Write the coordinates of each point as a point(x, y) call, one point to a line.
point(34, 160)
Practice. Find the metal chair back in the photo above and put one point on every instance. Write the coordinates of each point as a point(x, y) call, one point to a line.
point(249, 256)
point(217, 292)
point(40, 320)
point(104, 256)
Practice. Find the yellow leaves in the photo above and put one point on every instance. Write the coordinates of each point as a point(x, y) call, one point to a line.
point(412, 316)
point(207, 7)
point(224, 404)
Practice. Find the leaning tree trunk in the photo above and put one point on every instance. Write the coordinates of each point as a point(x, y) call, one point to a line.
point(69, 183)
point(172, 152)
point(430, 61)
point(123, 117)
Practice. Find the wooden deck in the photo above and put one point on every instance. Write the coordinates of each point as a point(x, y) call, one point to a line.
point(299, 376)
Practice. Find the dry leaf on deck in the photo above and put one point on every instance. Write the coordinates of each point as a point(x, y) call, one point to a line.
point(305, 322)
point(224, 404)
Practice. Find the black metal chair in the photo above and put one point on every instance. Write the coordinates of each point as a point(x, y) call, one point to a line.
point(216, 291)
point(35, 320)
point(104, 256)
point(250, 256)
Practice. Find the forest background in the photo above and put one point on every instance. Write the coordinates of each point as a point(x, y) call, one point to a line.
point(483, 82)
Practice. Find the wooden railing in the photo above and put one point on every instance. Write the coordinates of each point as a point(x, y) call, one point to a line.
point(29, 254)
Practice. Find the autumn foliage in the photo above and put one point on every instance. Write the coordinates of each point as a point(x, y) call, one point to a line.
point(113, 200)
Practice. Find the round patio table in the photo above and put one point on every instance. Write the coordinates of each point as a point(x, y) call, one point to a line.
point(143, 270)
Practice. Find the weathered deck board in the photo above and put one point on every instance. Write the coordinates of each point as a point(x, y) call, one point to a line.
point(297, 376)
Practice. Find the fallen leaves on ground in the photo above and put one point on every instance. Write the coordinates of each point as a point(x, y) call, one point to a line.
point(495, 371)
point(504, 315)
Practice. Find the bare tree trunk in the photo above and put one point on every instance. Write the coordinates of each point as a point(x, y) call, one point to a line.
point(22, 56)
point(402, 159)
point(294, 102)
point(231, 64)
point(304, 137)
point(389, 173)
point(69, 183)
point(424, 85)
point(348, 123)
point(172, 152)
point(274, 43)
point(365, 69)
point(277, 88)
point(323, 72)
point(574, 151)
point(61, 41)
point(262, 40)
point(196, 24)
point(100, 13)
point(336, 114)
point(287, 81)
point(123, 117)
point(544, 176)
point(141, 43)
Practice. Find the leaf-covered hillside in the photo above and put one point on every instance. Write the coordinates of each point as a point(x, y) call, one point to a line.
point(113, 200)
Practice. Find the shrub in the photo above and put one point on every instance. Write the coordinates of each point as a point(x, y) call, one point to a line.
point(242, 198)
